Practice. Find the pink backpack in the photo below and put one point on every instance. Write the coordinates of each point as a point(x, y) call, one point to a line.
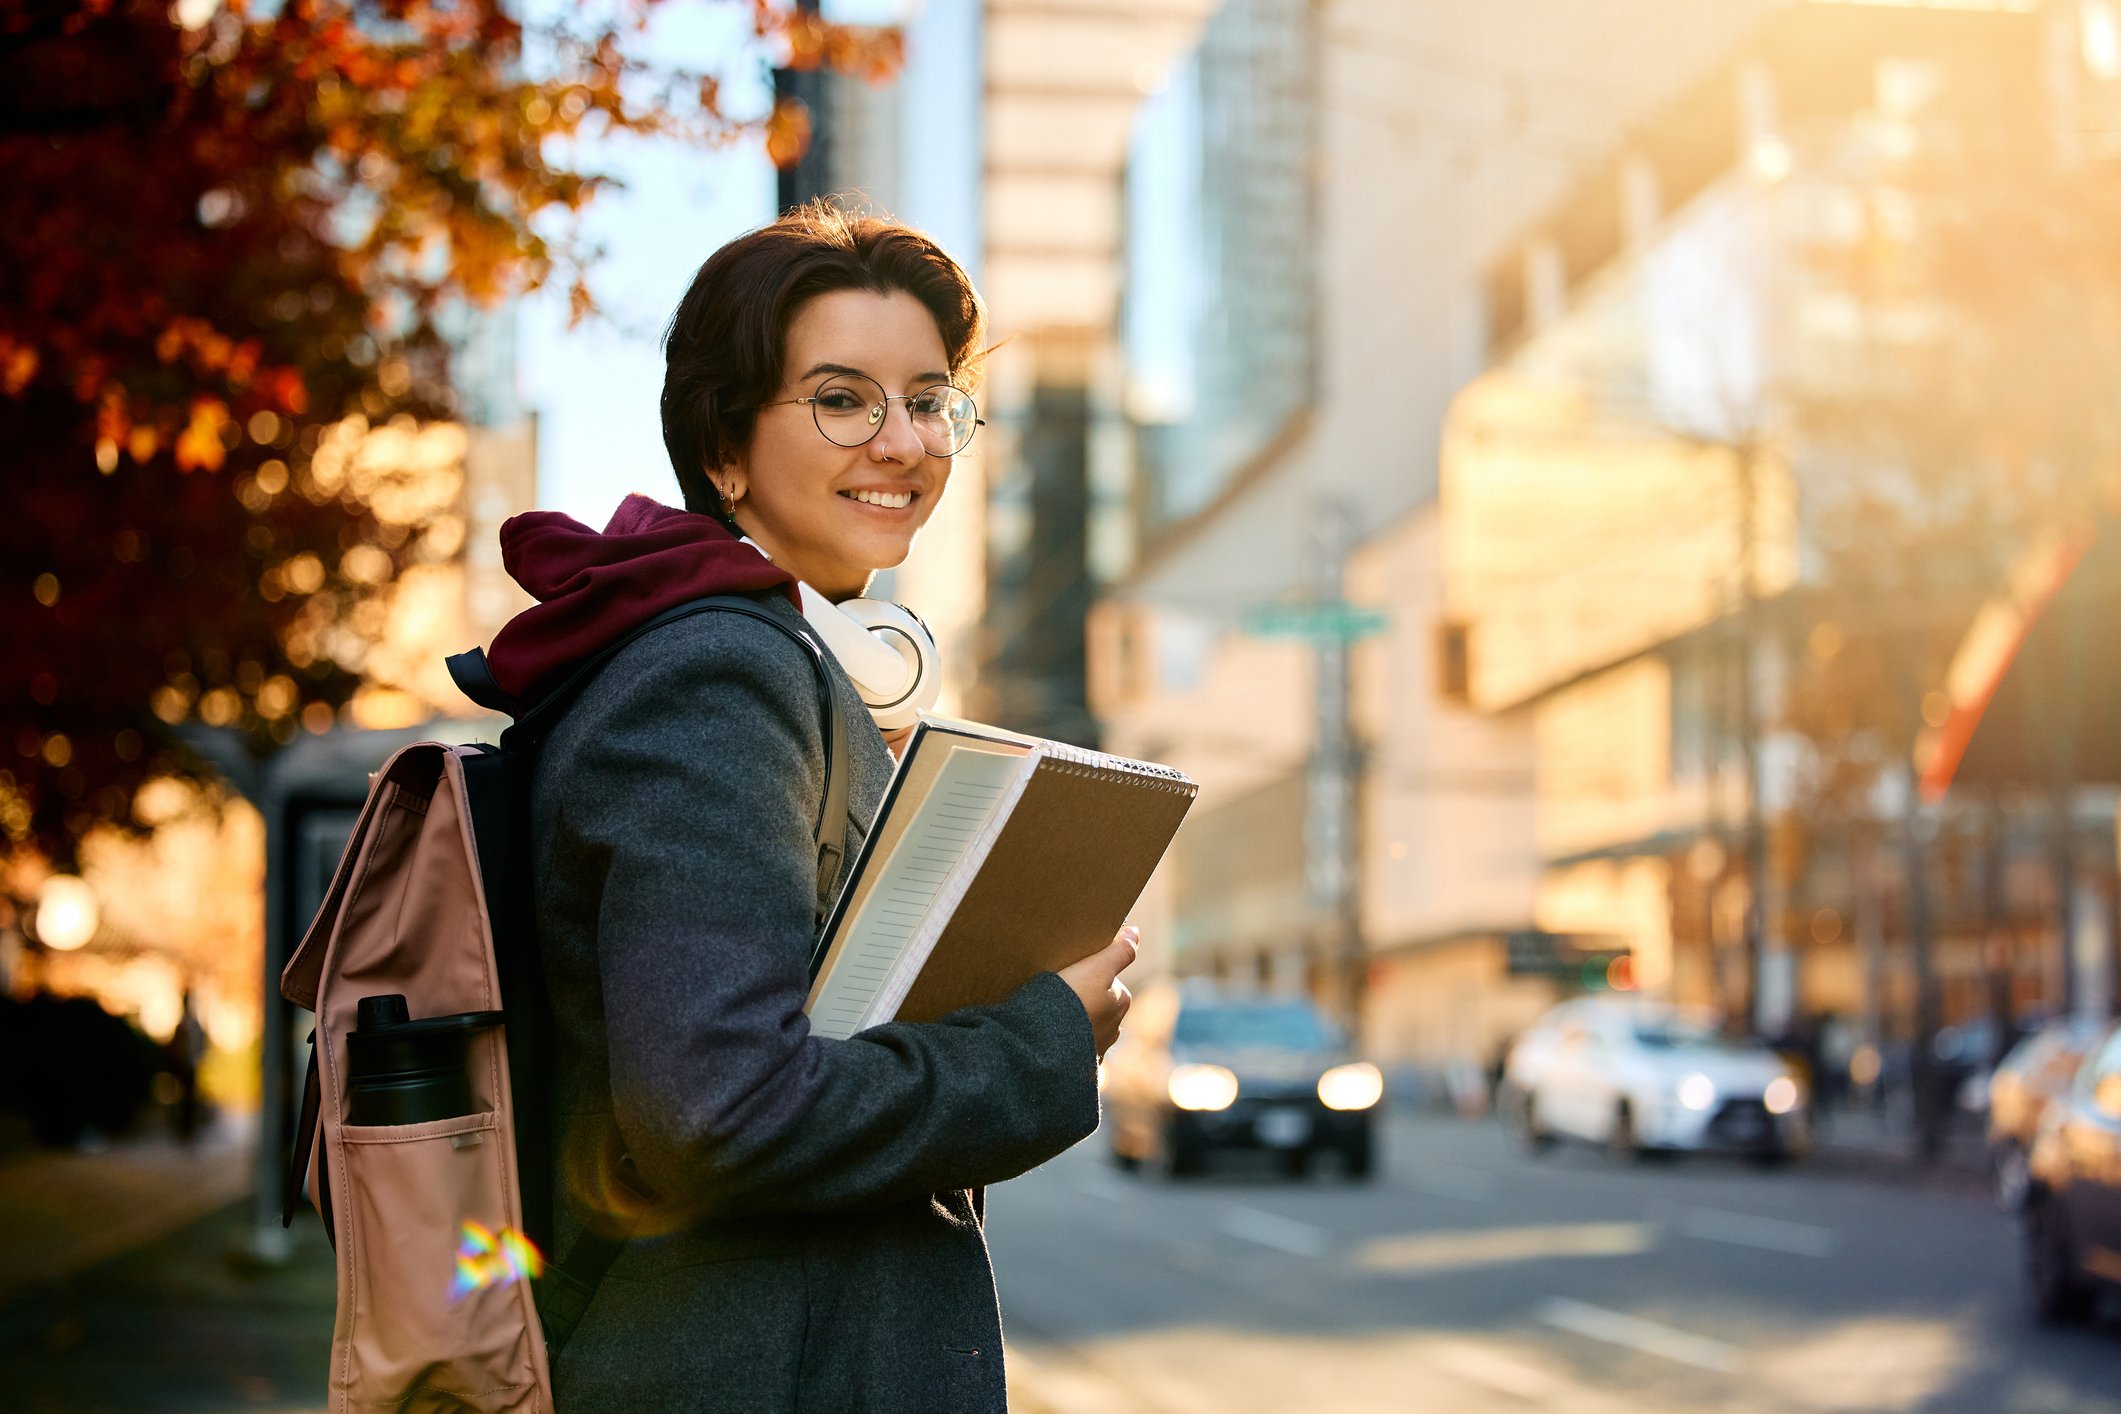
point(435, 1308)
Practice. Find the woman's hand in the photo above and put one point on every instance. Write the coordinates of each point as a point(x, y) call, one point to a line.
point(897, 741)
point(1095, 981)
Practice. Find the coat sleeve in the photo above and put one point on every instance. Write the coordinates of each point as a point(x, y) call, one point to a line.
point(696, 783)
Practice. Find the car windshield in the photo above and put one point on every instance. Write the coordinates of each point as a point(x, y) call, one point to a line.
point(1288, 1026)
point(1679, 1033)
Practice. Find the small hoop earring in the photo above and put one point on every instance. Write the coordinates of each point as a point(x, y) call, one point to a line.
point(728, 504)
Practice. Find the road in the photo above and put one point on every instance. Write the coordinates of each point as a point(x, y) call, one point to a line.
point(1471, 1277)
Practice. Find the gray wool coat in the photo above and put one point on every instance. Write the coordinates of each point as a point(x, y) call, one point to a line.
point(816, 1238)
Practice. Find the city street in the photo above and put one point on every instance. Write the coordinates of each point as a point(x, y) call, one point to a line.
point(1468, 1277)
point(1471, 1277)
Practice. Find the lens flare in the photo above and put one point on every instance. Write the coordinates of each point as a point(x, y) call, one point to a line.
point(488, 1258)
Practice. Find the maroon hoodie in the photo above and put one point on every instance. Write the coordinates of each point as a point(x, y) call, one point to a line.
point(592, 586)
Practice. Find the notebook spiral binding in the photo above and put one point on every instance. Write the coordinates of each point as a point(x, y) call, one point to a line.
point(1097, 766)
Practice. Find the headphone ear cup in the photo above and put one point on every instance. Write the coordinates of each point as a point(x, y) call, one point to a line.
point(900, 629)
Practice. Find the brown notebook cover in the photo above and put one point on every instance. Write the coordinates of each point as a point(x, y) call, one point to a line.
point(1073, 857)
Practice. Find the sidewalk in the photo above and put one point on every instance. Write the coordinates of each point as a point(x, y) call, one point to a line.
point(122, 1287)
point(63, 1211)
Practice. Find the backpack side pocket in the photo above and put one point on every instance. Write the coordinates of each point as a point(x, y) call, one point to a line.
point(433, 1326)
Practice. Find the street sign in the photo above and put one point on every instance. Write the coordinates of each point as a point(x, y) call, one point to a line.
point(1331, 619)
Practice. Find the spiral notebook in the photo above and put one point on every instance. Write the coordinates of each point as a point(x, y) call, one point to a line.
point(993, 857)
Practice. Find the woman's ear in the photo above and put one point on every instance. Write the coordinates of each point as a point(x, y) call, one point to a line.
point(730, 483)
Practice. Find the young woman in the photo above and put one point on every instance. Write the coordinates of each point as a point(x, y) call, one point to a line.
point(803, 1217)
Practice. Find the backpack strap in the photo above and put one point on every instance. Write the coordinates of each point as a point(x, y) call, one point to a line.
point(533, 722)
point(474, 678)
point(305, 1141)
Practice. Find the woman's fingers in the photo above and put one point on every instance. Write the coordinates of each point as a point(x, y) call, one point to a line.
point(1095, 981)
point(1119, 954)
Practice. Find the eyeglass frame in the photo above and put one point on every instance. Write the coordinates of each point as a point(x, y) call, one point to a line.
point(889, 398)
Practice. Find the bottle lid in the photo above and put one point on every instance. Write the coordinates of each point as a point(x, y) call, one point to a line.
point(386, 1010)
point(388, 1015)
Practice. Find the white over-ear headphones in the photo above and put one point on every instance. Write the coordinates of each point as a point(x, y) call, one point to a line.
point(885, 649)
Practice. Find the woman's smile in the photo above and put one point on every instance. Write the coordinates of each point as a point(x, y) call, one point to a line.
point(882, 498)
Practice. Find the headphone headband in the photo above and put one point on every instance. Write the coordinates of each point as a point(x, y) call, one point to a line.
point(884, 648)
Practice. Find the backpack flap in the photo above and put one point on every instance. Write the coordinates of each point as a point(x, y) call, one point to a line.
point(413, 768)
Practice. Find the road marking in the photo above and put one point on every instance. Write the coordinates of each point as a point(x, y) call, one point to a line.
point(1273, 1230)
point(1482, 1366)
point(1073, 1379)
point(1521, 1379)
point(1420, 1253)
point(1747, 1230)
point(1633, 1332)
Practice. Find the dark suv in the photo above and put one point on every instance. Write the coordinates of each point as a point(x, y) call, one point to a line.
point(2073, 1202)
point(1198, 1071)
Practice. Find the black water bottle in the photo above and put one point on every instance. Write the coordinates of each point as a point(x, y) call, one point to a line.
point(401, 1071)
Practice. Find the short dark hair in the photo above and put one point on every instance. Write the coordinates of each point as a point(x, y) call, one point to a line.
point(724, 347)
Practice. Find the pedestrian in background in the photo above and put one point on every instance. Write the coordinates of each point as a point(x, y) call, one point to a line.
point(187, 1048)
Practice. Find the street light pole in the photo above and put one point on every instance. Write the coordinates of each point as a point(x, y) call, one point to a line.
point(1331, 836)
point(1754, 830)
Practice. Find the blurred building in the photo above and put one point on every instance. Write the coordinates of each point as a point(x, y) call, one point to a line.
point(1636, 503)
point(1314, 200)
point(1359, 384)
point(1004, 137)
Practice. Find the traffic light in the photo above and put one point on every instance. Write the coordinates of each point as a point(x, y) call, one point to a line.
point(1606, 970)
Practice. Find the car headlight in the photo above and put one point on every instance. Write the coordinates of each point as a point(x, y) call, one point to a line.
point(1781, 1095)
point(1697, 1092)
point(1355, 1086)
point(1203, 1087)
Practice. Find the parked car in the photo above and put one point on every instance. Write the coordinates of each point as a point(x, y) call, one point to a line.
point(2072, 1224)
point(2038, 1068)
point(1643, 1078)
point(1199, 1070)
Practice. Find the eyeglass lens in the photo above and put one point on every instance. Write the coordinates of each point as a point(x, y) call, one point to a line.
point(850, 409)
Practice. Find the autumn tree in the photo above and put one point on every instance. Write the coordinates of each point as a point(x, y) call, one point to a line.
point(230, 232)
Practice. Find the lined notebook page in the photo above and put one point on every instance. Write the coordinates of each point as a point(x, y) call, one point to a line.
point(932, 858)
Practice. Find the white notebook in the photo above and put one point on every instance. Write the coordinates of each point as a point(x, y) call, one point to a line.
point(993, 857)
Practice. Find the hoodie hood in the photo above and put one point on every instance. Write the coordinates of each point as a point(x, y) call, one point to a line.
point(592, 586)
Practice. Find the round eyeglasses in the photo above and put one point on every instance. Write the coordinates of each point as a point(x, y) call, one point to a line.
point(849, 409)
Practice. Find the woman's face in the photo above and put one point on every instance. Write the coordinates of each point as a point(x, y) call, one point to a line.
point(795, 490)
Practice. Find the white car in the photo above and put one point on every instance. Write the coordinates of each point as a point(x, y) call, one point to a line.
point(1641, 1077)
